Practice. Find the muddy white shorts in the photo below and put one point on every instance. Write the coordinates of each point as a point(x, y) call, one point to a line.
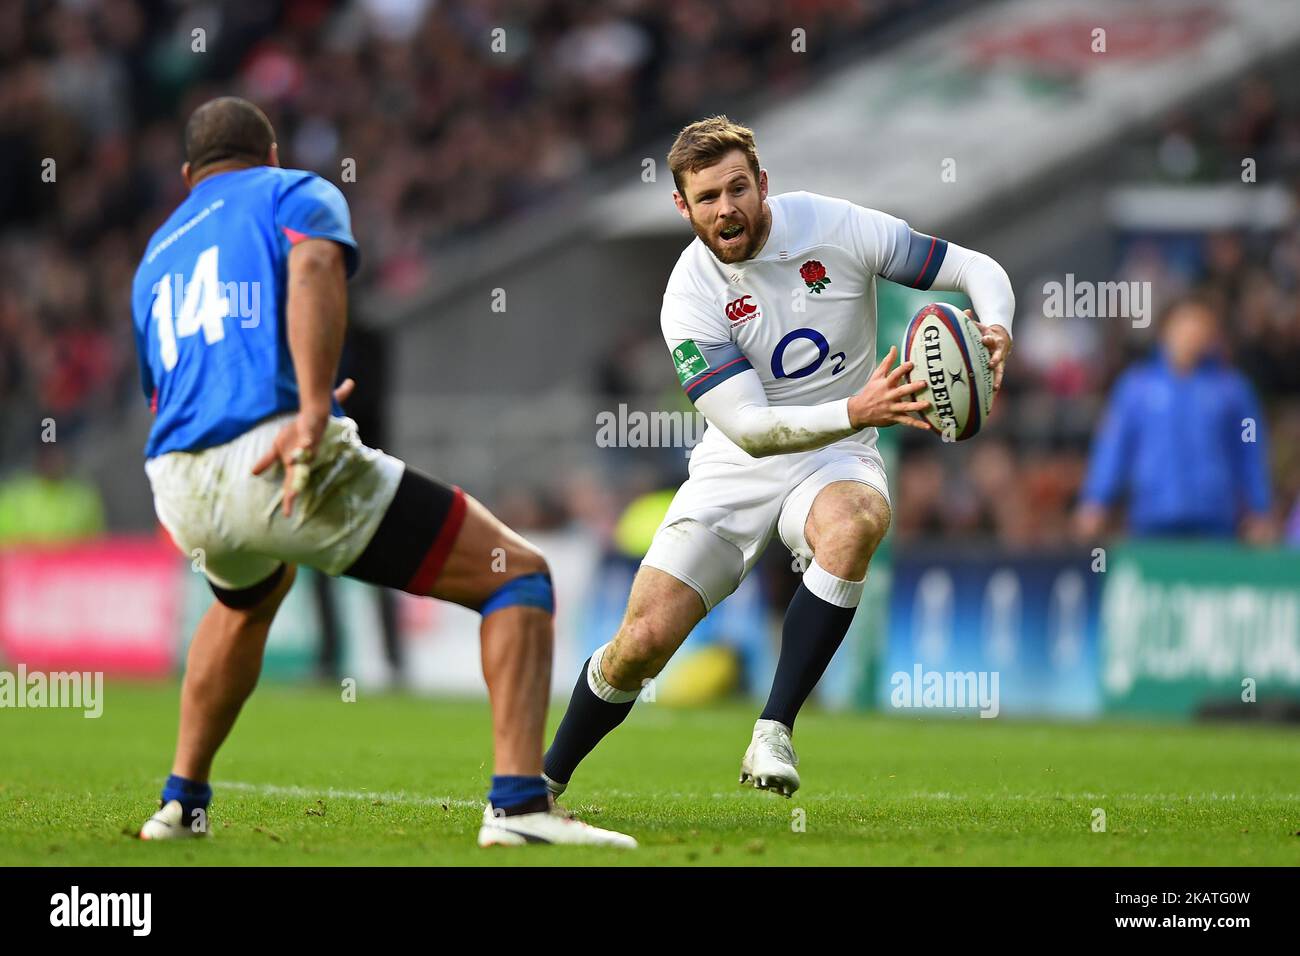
point(229, 520)
point(724, 515)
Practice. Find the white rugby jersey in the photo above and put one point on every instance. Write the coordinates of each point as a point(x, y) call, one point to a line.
point(802, 313)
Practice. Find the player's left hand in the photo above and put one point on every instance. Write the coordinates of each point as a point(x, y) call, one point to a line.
point(295, 447)
point(998, 341)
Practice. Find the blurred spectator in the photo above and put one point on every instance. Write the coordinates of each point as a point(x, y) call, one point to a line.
point(1056, 388)
point(1183, 441)
point(449, 126)
point(451, 135)
point(48, 506)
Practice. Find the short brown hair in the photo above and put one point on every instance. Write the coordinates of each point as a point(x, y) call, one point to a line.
point(227, 128)
point(706, 141)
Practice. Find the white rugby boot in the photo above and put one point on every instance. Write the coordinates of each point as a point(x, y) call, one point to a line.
point(770, 760)
point(167, 824)
point(553, 826)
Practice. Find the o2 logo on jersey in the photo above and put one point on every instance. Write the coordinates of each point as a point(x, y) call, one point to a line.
point(823, 352)
point(739, 311)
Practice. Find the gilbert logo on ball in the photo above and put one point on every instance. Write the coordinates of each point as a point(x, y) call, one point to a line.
point(945, 347)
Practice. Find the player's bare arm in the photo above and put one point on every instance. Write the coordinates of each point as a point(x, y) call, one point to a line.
point(317, 319)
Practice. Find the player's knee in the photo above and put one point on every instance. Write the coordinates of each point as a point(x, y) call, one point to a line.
point(525, 559)
point(259, 603)
point(525, 581)
point(867, 524)
point(855, 529)
point(638, 652)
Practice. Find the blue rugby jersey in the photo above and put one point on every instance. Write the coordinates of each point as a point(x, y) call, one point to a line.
point(208, 302)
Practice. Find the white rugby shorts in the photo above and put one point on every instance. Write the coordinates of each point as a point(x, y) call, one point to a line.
point(230, 521)
point(725, 513)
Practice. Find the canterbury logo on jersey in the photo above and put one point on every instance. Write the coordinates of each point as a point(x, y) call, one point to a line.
point(739, 310)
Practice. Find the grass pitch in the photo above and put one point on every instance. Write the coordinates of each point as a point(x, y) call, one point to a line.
point(393, 779)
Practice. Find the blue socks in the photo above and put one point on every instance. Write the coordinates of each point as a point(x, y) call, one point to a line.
point(192, 796)
point(509, 794)
point(519, 794)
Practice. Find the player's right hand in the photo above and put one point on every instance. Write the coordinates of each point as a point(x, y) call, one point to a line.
point(884, 400)
point(295, 447)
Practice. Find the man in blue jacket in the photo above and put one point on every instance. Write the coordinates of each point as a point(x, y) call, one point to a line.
point(1183, 442)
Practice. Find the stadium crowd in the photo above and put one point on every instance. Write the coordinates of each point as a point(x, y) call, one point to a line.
point(1065, 371)
point(434, 102)
point(436, 117)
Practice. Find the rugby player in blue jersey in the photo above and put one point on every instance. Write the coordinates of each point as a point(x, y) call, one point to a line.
point(239, 306)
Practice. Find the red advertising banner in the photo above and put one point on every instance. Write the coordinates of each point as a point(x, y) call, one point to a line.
point(110, 605)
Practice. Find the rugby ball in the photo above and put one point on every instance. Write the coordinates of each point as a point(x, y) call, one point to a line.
point(944, 345)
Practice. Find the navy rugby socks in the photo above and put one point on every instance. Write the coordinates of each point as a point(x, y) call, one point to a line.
point(595, 709)
point(815, 624)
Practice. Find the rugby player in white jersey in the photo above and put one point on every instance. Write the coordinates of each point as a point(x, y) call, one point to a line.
point(770, 317)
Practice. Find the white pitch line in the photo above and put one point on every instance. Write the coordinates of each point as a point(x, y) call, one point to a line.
point(743, 791)
point(413, 799)
point(311, 793)
point(1210, 796)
